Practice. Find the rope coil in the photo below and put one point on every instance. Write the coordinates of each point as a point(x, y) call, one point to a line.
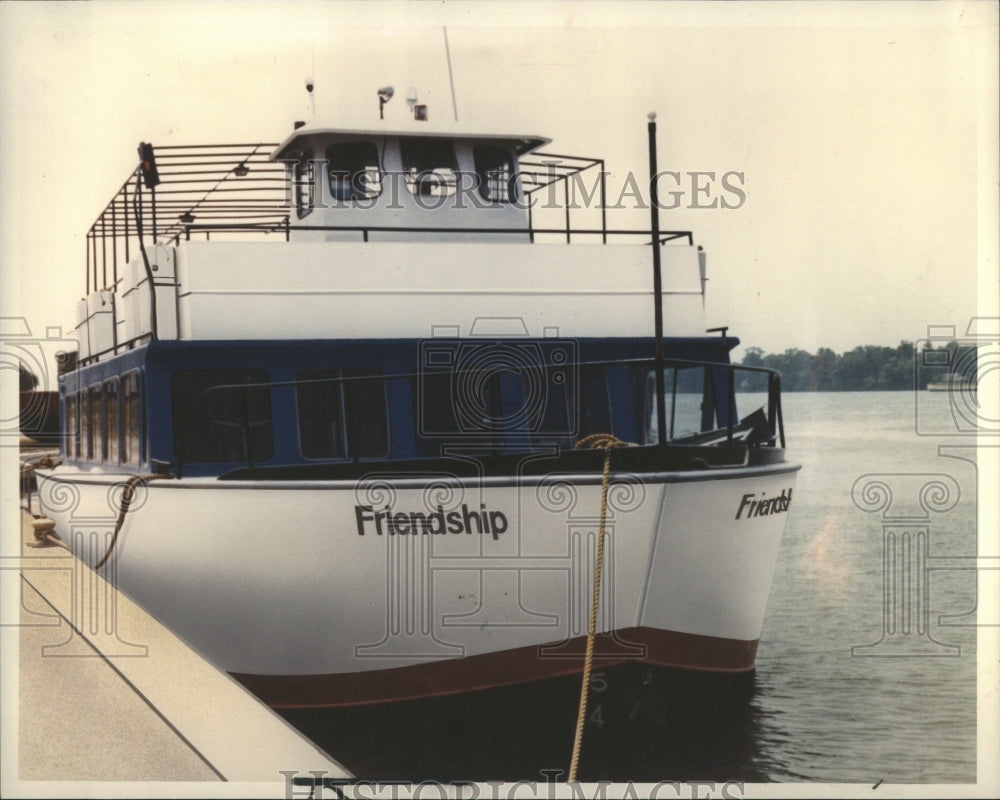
point(606, 442)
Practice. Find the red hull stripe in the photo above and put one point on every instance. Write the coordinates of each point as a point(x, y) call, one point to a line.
point(485, 671)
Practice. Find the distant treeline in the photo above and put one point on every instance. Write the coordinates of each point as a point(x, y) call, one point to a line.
point(865, 368)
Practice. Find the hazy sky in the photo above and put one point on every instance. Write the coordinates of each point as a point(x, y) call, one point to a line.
point(866, 133)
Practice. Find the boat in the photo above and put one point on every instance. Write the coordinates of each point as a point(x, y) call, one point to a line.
point(324, 424)
point(953, 382)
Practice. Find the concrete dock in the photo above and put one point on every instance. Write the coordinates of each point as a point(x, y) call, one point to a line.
point(107, 697)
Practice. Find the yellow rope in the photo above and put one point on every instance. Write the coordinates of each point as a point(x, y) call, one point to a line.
point(606, 442)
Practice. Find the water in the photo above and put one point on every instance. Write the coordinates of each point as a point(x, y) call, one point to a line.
point(823, 713)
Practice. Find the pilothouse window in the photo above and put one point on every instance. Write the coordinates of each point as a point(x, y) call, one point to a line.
point(495, 171)
point(430, 166)
point(354, 171)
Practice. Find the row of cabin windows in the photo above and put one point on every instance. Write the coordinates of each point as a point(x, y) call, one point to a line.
point(429, 166)
point(225, 415)
point(103, 423)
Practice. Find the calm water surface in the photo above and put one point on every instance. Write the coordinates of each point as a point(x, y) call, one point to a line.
point(904, 711)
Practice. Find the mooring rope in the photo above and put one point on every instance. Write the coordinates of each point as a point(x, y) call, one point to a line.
point(606, 442)
point(128, 493)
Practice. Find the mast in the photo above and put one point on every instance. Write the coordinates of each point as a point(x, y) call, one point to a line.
point(654, 213)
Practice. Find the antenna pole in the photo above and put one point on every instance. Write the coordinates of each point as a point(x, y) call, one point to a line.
point(654, 213)
point(451, 79)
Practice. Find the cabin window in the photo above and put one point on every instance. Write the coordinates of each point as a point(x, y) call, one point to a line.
point(684, 393)
point(93, 422)
point(303, 184)
point(354, 171)
point(557, 420)
point(594, 411)
point(495, 173)
point(429, 166)
point(221, 416)
point(131, 431)
point(462, 404)
point(501, 409)
point(72, 428)
point(83, 417)
point(109, 445)
point(342, 414)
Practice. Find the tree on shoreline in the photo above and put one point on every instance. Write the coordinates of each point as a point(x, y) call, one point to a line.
point(865, 368)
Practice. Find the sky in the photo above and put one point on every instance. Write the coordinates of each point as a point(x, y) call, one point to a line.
point(864, 134)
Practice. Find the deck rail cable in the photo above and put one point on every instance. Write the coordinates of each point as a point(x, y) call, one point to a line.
point(235, 189)
point(200, 403)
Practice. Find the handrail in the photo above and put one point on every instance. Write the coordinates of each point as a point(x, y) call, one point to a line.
point(236, 188)
point(773, 414)
point(365, 230)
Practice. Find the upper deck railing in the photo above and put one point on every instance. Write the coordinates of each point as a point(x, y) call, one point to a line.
point(181, 192)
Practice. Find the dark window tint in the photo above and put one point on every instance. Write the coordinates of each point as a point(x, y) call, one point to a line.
point(321, 414)
point(354, 171)
point(218, 418)
point(429, 165)
point(342, 414)
point(595, 403)
point(557, 407)
point(366, 414)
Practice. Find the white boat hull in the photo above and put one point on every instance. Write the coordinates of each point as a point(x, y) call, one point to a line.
point(303, 579)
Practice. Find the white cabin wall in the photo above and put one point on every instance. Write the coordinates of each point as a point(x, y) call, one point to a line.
point(136, 300)
point(258, 290)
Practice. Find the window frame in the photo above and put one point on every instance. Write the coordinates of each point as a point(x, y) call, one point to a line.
point(126, 442)
point(72, 426)
point(110, 421)
point(339, 378)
